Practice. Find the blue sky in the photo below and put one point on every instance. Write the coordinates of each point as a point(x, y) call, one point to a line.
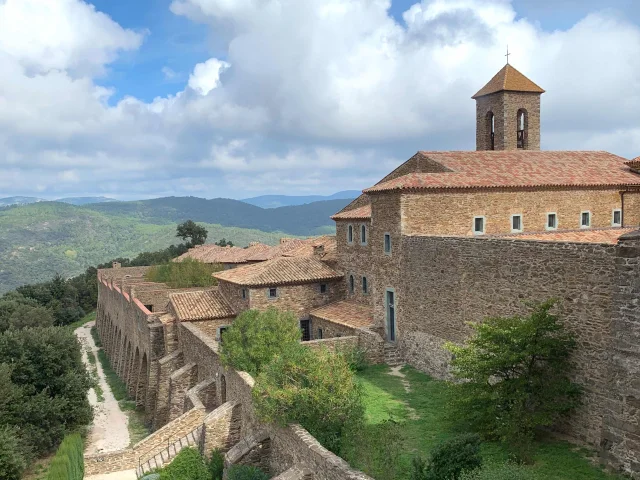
point(237, 98)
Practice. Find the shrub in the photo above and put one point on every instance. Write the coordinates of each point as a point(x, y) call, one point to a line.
point(514, 373)
point(68, 463)
point(450, 459)
point(246, 472)
point(509, 471)
point(356, 357)
point(314, 388)
point(184, 274)
point(188, 465)
point(255, 338)
point(216, 465)
point(13, 454)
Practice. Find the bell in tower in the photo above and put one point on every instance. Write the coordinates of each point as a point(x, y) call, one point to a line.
point(508, 112)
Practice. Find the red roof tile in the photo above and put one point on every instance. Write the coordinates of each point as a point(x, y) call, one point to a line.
point(200, 305)
point(347, 313)
point(280, 271)
point(519, 169)
point(363, 212)
point(508, 79)
point(605, 235)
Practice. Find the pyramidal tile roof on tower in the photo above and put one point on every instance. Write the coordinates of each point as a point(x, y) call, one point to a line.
point(508, 79)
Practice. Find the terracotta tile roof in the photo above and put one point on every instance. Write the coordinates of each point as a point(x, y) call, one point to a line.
point(279, 271)
point(200, 305)
point(216, 254)
point(604, 235)
point(500, 169)
point(346, 313)
point(277, 251)
point(508, 79)
point(308, 247)
point(363, 212)
point(634, 164)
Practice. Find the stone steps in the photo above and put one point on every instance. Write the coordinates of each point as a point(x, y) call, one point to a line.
point(392, 356)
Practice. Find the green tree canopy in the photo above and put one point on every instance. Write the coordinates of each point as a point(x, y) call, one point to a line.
point(314, 388)
point(255, 338)
point(196, 234)
point(514, 373)
point(224, 243)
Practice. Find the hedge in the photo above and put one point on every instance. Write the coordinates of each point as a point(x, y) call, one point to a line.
point(68, 464)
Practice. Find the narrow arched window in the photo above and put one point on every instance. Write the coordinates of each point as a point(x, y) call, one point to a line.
point(350, 234)
point(363, 234)
point(365, 285)
point(491, 121)
point(352, 285)
point(522, 128)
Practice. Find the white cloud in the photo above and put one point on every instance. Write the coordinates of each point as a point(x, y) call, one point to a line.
point(316, 95)
point(206, 76)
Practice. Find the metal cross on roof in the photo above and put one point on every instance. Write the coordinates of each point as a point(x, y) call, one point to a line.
point(507, 55)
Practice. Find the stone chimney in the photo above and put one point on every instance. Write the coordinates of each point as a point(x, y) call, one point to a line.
point(116, 265)
point(253, 244)
point(285, 240)
point(318, 250)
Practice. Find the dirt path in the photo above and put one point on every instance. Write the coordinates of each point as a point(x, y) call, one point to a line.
point(109, 431)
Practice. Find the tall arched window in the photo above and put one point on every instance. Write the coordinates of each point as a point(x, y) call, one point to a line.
point(352, 285)
point(522, 122)
point(491, 124)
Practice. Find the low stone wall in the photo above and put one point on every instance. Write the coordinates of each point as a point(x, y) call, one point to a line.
point(333, 344)
point(329, 329)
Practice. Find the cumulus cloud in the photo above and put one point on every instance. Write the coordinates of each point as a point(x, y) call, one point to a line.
point(307, 96)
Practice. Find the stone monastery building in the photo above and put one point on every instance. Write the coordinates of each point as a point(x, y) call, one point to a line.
point(444, 239)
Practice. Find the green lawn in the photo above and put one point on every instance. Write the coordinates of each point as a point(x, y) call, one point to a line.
point(425, 421)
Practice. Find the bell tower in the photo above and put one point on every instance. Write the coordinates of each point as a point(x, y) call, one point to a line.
point(508, 112)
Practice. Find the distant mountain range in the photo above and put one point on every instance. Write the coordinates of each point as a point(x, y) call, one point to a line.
point(43, 238)
point(8, 201)
point(274, 201)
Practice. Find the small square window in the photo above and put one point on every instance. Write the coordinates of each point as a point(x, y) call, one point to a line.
point(616, 220)
point(516, 223)
point(585, 219)
point(350, 234)
point(273, 292)
point(478, 225)
point(552, 221)
point(149, 307)
point(323, 288)
point(387, 243)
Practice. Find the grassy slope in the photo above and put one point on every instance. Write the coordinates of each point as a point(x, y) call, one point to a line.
point(39, 240)
point(385, 398)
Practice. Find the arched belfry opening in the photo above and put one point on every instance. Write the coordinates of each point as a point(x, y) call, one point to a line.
point(508, 112)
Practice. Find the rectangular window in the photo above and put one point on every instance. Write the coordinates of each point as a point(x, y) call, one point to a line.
point(516, 223)
point(305, 326)
point(273, 292)
point(221, 331)
point(387, 243)
point(323, 288)
point(319, 334)
point(616, 219)
point(585, 219)
point(552, 221)
point(478, 225)
point(244, 293)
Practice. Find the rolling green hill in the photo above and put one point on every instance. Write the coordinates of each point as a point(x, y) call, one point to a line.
point(45, 238)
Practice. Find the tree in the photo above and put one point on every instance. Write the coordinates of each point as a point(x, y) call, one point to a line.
point(255, 338)
point(13, 459)
point(514, 373)
point(314, 388)
point(224, 243)
point(196, 234)
point(450, 459)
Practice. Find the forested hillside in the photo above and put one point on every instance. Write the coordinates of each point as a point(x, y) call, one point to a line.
point(309, 219)
point(42, 239)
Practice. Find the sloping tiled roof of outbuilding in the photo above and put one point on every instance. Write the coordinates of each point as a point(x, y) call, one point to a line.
point(347, 313)
point(517, 169)
point(200, 305)
point(363, 212)
point(280, 271)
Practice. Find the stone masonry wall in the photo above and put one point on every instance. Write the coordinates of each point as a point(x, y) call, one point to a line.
point(505, 106)
point(299, 299)
point(447, 282)
point(631, 209)
point(233, 294)
point(329, 329)
point(355, 258)
point(445, 213)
